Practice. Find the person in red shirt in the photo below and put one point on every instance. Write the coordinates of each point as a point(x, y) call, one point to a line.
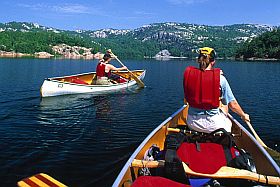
point(204, 88)
point(104, 68)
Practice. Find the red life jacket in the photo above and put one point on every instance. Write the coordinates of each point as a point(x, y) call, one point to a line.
point(100, 70)
point(151, 181)
point(202, 88)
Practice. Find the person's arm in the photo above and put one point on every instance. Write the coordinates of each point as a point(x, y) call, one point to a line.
point(122, 68)
point(235, 107)
point(113, 68)
point(229, 99)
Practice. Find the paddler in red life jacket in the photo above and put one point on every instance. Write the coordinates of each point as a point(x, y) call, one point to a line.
point(104, 68)
point(204, 88)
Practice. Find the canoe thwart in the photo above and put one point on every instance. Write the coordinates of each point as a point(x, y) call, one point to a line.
point(190, 132)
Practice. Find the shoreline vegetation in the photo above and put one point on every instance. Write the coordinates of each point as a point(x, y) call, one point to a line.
point(46, 55)
point(161, 41)
point(26, 40)
point(64, 51)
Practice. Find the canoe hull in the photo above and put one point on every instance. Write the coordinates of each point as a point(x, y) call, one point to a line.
point(264, 163)
point(55, 86)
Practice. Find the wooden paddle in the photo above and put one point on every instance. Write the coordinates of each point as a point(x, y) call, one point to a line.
point(40, 179)
point(139, 82)
point(272, 152)
point(255, 134)
point(223, 172)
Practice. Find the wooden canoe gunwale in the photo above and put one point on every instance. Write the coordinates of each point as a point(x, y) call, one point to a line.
point(265, 157)
point(88, 73)
point(58, 79)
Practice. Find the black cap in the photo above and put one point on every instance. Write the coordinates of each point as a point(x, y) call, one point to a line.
point(107, 56)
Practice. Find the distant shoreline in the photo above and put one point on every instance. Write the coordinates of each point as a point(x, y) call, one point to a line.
point(257, 59)
point(228, 58)
point(45, 55)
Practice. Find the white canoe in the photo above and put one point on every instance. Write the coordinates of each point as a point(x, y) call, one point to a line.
point(82, 83)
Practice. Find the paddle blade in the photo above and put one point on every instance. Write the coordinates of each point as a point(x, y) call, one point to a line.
point(40, 179)
point(274, 154)
point(139, 82)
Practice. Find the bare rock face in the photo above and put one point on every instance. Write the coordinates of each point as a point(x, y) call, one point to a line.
point(163, 53)
point(73, 52)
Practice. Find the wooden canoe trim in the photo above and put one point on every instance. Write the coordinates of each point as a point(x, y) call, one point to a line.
point(149, 164)
point(223, 172)
point(40, 179)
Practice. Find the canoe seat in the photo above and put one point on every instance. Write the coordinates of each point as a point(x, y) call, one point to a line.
point(152, 181)
point(209, 159)
point(208, 153)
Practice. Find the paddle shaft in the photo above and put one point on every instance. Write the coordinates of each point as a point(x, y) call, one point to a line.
point(139, 82)
point(223, 172)
point(255, 134)
point(273, 153)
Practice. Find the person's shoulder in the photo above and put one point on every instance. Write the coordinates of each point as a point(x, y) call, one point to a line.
point(224, 81)
point(222, 77)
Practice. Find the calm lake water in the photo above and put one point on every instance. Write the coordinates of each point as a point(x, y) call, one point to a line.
point(84, 140)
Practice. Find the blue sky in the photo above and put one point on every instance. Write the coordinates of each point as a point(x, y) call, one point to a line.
point(132, 14)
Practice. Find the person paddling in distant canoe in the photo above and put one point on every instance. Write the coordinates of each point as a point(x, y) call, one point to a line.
point(104, 68)
point(204, 88)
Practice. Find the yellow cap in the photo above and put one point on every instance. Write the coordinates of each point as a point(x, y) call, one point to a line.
point(206, 50)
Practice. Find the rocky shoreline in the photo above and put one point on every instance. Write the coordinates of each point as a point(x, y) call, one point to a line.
point(12, 54)
point(77, 52)
point(61, 50)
